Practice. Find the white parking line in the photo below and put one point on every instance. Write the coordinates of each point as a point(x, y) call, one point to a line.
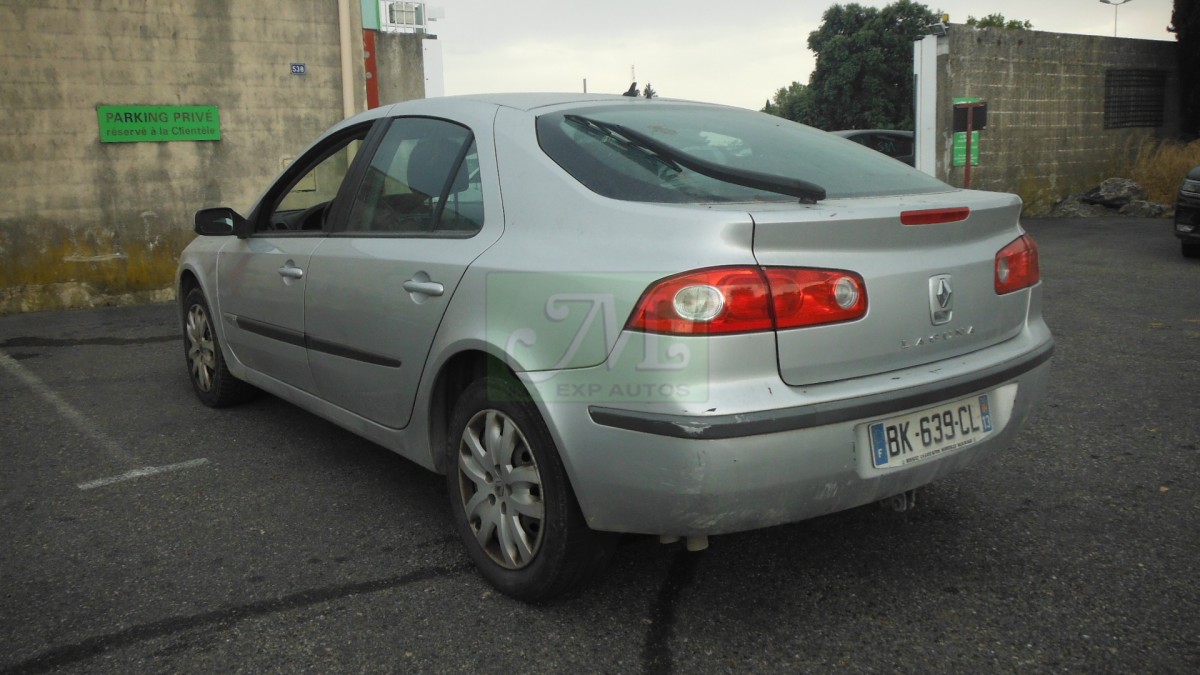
point(89, 429)
point(65, 409)
point(138, 473)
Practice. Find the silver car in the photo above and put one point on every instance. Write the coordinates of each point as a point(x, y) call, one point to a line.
point(599, 315)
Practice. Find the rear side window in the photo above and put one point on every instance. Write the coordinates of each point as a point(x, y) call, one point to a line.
point(423, 179)
point(614, 167)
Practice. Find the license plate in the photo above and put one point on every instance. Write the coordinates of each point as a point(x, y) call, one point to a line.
point(922, 435)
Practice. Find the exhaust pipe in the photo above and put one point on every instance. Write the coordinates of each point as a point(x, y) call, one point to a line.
point(901, 502)
point(694, 543)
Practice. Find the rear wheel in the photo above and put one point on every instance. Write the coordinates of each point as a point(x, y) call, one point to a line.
point(211, 379)
point(1190, 250)
point(512, 503)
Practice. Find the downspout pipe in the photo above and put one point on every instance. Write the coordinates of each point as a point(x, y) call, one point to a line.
point(346, 37)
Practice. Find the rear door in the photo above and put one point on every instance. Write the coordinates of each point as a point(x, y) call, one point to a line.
point(427, 206)
point(930, 287)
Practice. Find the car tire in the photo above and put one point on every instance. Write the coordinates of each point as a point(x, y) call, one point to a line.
point(1190, 250)
point(511, 499)
point(214, 385)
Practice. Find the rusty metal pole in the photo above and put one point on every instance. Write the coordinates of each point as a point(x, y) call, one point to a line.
point(970, 125)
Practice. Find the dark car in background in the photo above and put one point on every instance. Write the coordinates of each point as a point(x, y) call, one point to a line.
point(895, 144)
point(1187, 214)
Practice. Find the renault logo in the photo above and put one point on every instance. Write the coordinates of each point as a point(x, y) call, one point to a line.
point(943, 293)
point(941, 299)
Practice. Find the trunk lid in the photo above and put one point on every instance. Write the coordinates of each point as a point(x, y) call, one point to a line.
point(906, 268)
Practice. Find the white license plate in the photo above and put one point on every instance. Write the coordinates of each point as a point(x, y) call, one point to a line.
point(912, 438)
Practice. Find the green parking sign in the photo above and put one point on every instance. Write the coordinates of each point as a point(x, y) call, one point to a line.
point(158, 123)
point(960, 148)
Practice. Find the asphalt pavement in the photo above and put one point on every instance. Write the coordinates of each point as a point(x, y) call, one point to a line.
point(143, 532)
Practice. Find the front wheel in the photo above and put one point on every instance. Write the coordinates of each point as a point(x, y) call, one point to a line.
point(1190, 250)
point(214, 385)
point(511, 500)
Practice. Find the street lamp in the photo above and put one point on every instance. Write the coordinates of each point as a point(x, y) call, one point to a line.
point(1116, 6)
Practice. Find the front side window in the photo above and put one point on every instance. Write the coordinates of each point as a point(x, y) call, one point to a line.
point(618, 167)
point(423, 179)
point(305, 203)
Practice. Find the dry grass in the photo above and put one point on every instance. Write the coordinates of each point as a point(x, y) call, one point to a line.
point(1159, 167)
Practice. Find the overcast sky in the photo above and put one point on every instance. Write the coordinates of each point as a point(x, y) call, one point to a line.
point(736, 52)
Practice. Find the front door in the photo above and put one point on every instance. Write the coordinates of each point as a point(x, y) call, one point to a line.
point(262, 278)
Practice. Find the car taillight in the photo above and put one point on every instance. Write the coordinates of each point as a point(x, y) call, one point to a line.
point(725, 300)
point(810, 297)
point(717, 300)
point(1017, 266)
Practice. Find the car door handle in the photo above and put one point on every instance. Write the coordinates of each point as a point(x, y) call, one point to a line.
point(424, 287)
point(290, 271)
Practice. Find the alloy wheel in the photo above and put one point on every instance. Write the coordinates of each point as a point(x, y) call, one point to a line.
point(201, 348)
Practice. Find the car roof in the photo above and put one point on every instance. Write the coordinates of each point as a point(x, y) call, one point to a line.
point(855, 132)
point(526, 102)
point(531, 100)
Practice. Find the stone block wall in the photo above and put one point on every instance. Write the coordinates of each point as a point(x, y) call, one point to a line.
point(1046, 136)
point(84, 222)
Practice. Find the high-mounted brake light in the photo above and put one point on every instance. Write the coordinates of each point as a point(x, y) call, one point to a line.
point(723, 300)
point(934, 216)
point(1017, 266)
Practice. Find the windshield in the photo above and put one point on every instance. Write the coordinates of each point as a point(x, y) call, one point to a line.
point(622, 168)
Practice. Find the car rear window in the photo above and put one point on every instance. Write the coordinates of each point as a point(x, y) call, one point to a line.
point(615, 167)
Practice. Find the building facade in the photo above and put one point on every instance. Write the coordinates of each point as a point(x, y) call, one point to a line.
point(1063, 112)
point(122, 117)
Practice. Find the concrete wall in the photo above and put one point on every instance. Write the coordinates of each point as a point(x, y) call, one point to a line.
point(401, 66)
point(84, 222)
point(1045, 92)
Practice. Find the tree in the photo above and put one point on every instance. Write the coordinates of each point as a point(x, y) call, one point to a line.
point(790, 102)
point(998, 21)
point(1185, 23)
point(649, 92)
point(863, 77)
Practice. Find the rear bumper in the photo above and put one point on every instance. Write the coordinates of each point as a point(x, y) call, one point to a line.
point(714, 427)
point(653, 472)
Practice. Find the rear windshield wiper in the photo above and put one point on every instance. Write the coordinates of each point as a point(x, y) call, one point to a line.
point(808, 193)
point(611, 132)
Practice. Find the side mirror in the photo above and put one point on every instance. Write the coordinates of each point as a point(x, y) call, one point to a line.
point(221, 221)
